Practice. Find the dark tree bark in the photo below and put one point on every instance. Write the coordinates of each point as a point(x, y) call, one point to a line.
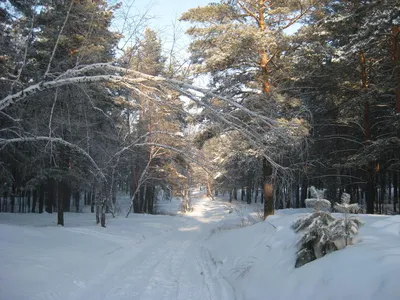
point(20, 204)
point(23, 201)
point(395, 191)
point(63, 195)
point(390, 187)
point(67, 197)
point(303, 196)
point(41, 198)
point(382, 191)
point(77, 197)
point(12, 198)
point(103, 218)
point(137, 205)
point(51, 194)
point(34, 200)
point(98, 209)
point(248, 194)
point(150, 194)
point(92, 199)
point(28, 200)
point(297, 196)
point(370, 191)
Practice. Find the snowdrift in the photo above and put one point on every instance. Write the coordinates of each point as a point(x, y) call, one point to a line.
point(216, 252)
point(259, 262)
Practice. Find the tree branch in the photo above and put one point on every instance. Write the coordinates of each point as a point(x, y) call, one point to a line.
point(6, 142)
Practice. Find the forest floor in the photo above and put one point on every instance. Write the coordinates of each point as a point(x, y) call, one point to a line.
point(216, 252)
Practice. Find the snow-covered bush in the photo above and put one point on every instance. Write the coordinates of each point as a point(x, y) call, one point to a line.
point(315, 241)
point(343, 230)
point(321, 232)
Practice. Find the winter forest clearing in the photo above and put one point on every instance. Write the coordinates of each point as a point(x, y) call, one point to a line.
point(247, 149)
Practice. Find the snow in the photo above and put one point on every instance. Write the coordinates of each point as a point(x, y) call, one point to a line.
point(218, 251)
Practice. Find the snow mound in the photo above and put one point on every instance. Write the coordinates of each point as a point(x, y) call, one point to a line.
point(259, 260)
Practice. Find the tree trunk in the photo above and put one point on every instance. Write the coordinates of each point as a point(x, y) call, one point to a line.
point(77, 197)
point(41, 198)
point(370, 190)
point(303, 194)
point(137, 207)
point(97, 203)
point(28, 199)
point(268, 190)
point(103, 207)
point(19, 201)
point(395, 43)
point(97, 213)
point(34, 200)
point(12, 198)
point(395, 190)
point(390, 187)
point(383, 191)
point(268, 199)
point(370, 185)
point(60, 204)
point(92, 199)
point(248, 194)
point(151, 194)
point(51, 190)
point(143, 202)
point(289, 203)
point(67, 197)
point(297, 196)
point(209, 192)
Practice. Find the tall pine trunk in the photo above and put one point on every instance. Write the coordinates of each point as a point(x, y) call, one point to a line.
point(395, 191)
point(60, 203)
point(34, 200)
point(41, 198)
point(51, 192)
point(77, 197)
point(268, 189)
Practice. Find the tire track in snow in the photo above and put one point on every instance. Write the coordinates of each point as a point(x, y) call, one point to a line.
point(175, 266)
point(217, 287)
point(149, 272)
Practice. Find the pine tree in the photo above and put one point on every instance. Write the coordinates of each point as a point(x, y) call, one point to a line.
point(242, 45)
point(321, 232)
point(343, 230)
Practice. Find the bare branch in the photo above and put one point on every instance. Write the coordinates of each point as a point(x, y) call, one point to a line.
point(6, 142)
point(58, 39)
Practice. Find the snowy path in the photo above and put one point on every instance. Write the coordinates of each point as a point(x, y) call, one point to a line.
point(143, 257)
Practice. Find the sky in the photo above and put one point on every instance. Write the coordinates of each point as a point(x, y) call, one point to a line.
point(162, 16)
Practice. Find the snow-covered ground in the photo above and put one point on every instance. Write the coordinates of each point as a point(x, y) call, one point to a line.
point(210, 253)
